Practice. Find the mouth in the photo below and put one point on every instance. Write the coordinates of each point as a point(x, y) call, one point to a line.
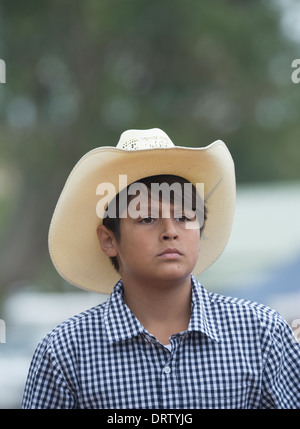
point(170, 253)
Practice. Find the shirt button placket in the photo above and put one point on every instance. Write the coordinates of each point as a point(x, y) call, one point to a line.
point(167, 369)
point(167, 385)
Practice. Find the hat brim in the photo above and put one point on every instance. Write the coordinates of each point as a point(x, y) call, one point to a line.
point(73, 243)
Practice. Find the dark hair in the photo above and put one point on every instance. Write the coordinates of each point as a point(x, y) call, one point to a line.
point(113, 222)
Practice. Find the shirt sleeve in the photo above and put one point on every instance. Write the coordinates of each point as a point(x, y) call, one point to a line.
point(46, 385)
point(281, 378)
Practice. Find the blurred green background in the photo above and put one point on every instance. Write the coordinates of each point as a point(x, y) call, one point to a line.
point(78, 73)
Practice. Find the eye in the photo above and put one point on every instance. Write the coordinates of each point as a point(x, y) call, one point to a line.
point(147, 220)
point(184, 218)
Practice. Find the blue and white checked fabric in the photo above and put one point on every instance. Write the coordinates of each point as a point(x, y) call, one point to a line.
point(234, 354)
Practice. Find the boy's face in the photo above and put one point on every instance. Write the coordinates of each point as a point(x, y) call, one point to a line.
point(158, 248)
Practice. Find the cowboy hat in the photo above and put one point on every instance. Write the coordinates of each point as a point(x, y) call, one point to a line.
point(73, 243)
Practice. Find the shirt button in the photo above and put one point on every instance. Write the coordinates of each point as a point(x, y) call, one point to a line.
point(167, 370)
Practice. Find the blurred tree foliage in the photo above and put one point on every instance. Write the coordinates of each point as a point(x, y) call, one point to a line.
point(81, 72)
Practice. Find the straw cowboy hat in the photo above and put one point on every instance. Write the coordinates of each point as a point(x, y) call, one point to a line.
point(73, 243)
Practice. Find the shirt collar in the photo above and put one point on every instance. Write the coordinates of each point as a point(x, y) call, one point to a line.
point(121, 324)
point(202, 318)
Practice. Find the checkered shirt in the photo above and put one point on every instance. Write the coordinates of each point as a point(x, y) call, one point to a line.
point(234, 354)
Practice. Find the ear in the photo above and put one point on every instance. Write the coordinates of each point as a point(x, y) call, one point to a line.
point(107, 241)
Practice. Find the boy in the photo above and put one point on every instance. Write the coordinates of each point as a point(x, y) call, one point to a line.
point(160, 340)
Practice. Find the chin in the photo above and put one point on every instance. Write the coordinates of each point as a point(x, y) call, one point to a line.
point(175, 273)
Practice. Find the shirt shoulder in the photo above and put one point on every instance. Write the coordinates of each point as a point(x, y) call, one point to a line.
point(249, 318)
point(242, 305)
point(243, 308)
point(82, 325)
point(55, 361)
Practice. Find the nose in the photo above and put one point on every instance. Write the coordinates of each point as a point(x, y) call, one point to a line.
point(169, 231)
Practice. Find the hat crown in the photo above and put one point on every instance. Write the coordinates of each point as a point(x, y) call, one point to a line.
point(153, 138)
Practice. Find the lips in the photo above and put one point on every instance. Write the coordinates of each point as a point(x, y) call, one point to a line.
point(170, 253)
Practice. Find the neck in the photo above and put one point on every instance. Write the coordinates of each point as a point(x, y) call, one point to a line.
point(163, 310)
